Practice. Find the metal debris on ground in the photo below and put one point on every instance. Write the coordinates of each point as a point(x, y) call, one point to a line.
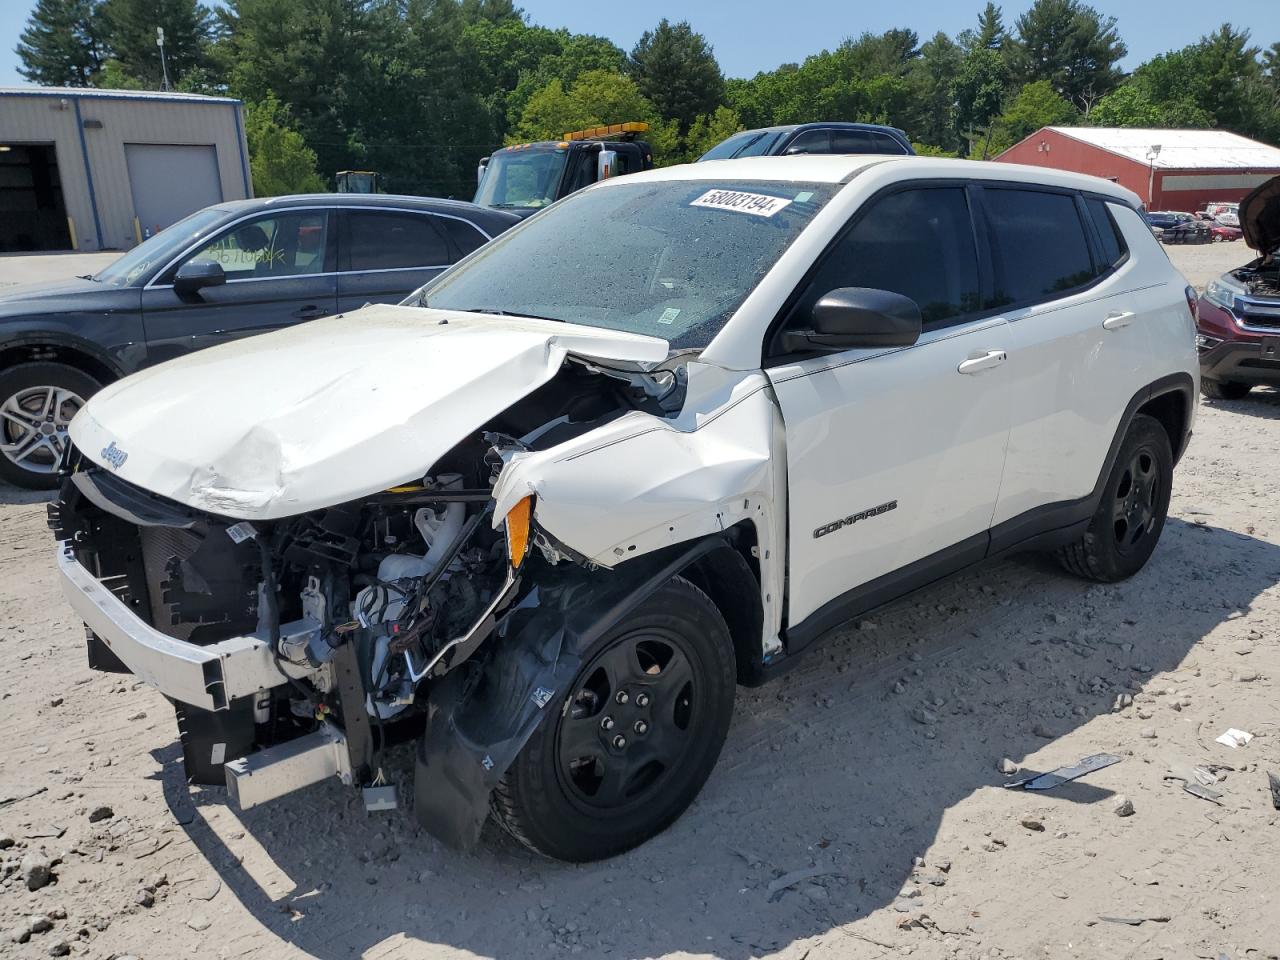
point(1055, 778)
point(1274, 782)
point(781, 884)
point(1234, 738)
point(1135, 921)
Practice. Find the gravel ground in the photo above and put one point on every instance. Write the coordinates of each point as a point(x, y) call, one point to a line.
point(857, 810)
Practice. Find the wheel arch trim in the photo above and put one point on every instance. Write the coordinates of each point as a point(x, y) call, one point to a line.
point(481, 719)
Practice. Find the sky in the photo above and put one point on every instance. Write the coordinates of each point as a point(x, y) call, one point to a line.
point(753, 35)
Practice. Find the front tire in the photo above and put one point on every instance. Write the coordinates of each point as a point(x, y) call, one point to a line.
point(639, 733)
point(1130, 516)
point(37, 402)
point(1224, 389)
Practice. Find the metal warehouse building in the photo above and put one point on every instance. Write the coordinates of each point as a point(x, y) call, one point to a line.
point(100, 169)
point(1168, 169)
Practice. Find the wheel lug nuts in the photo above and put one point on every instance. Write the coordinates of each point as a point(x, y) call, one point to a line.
point(606, 723)
point(641, 727)
point(619, 741)
point(622, 696)
point(642, 699)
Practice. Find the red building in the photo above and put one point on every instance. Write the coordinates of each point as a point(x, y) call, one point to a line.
point(1168, 169)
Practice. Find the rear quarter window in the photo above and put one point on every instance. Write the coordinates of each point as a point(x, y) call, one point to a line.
point(1114, 249)
point(1038, 243)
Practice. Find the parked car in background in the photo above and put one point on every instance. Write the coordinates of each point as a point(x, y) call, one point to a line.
point(1238, 316)
point(802, 138)
point(1177, 227)
point(225, 272)
point(1221, 232)
point(1225, 213)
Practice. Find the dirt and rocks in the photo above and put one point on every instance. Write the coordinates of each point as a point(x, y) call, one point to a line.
point(857, 810)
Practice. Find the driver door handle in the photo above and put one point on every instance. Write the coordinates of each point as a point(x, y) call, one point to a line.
point(1117, 319)
point(309, 312)
point(992, 358)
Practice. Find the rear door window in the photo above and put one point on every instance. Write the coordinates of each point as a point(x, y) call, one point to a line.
point(863, 141)
point(1038, 242)
point(394, 240)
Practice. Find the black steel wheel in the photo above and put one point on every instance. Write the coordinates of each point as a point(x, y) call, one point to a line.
point(1130, 516)
point(637, 735)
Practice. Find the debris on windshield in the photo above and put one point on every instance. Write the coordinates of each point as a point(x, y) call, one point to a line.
point(1055, 778)
point(1234, 738)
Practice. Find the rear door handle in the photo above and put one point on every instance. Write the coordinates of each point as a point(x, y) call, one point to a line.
point(1117, 320)
point(309, 312)
point(992, 358)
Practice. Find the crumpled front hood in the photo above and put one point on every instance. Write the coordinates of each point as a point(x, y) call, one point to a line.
point(328, 411)
point(1260, 217)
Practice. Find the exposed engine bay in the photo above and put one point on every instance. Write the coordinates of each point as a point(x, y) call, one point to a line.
point(364, 605)
point(1261, 277)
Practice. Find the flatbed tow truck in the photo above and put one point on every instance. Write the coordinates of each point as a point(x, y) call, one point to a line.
point(525, 177)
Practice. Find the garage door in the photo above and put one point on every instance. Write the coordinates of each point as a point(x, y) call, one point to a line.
point(171, 180)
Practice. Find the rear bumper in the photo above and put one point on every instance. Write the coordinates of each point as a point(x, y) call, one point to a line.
point(208, 677)
point(1242, 361)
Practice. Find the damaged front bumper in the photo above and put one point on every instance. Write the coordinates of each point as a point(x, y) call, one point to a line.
point(208, 677)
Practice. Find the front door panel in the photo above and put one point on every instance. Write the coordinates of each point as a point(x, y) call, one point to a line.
point(891, 457)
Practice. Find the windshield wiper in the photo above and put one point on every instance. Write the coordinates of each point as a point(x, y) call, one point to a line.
point(88, 276)
point(494, 311)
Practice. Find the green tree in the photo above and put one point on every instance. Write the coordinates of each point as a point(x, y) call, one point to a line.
point(62, 43)
point(676, 70)
point(990, 34)
point(709, 129)
point(131, 30)
point(931, 80)
point(1132, 105)
point(279, 159)
point(977, 94)
point(1072, 46)
point(1037, 105)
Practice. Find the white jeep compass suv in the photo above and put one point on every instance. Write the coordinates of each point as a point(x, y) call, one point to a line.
point(655, 441)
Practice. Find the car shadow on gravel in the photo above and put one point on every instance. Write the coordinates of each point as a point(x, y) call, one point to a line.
point(1262, 403)
point(11, 495)
point(845, 767)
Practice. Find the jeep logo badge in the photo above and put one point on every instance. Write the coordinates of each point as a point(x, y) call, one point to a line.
point(114, 455)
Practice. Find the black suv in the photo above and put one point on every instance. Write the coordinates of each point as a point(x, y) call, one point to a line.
point(227, 271)
point(830, 136)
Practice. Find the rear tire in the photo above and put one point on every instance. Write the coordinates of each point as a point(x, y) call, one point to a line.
point(641, 729)
point(1224, 389)
point(1130, 516)
point(37, 402)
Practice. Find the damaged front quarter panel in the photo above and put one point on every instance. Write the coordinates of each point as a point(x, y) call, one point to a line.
point(642, 482)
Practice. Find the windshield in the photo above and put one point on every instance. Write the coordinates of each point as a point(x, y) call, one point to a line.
point(160, 248)
point(671, 259)
point(752, 143)
point(526, 179)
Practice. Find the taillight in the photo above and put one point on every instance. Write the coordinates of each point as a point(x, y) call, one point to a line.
point(1192, 299)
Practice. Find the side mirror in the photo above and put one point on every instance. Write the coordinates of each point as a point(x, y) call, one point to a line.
point(850, 318)
point(606, 164)
point(480, 168)
point(195, 275)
